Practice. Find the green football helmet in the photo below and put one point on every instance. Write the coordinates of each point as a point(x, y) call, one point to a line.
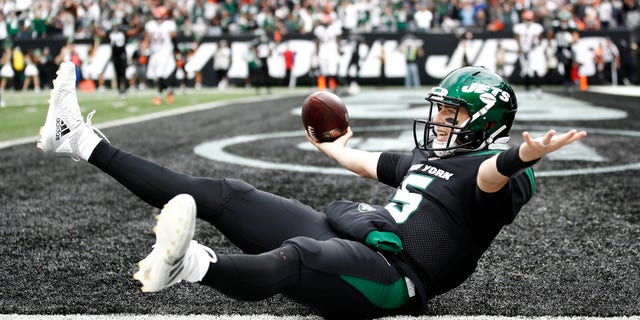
point(490, 102)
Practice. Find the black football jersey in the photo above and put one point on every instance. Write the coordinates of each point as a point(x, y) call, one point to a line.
point(118, 40)
point(563, 34)
point(446, 222)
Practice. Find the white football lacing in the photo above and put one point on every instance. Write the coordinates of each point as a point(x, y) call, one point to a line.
point(96, 130)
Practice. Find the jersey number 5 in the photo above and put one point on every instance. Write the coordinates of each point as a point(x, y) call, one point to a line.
point(404, 203)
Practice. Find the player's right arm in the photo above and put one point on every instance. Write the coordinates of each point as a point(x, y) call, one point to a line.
point(491, 179)
point(363, 163)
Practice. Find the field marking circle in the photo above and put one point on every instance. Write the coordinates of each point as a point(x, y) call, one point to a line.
point(215, 150)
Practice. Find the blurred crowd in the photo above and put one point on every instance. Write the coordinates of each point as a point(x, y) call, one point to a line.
point(127, 21)
point(75, 19)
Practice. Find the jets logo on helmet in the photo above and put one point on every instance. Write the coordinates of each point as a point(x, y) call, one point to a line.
point(488, 99)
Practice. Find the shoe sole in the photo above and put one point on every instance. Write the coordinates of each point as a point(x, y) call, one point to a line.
point(48, 133)
point(174, 230)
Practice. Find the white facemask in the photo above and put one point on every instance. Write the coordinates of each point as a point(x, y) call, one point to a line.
point(439, 145)
point(443, 153)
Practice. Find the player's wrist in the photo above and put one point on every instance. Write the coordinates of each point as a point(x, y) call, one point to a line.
point(509, 162)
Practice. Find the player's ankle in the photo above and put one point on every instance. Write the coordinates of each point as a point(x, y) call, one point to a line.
point(87, 142)
point(198, 259)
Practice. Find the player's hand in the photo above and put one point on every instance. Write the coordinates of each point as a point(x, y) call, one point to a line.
point(342, 140)
point(329, 148)
point(532, 149)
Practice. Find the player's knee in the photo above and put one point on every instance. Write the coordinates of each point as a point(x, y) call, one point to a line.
point(236, 186)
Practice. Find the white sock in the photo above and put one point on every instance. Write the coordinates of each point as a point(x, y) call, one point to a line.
point(197, 261)
point(87, 142)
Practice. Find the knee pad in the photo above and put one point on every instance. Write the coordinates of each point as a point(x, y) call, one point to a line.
point(235, 188)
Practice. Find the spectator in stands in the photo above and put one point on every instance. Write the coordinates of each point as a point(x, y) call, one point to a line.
point(606, 14)
point(423, 18)
point(72, 18)
point(509, 15)
point(348, 15)
point(400, 16)
point(67, 21)
point(449, 25)
point(12, 24)
point(4, 34)
point(467, 13)
point(387, 20)
point(591, 19)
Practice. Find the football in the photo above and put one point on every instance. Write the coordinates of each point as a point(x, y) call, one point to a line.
point(324, 116)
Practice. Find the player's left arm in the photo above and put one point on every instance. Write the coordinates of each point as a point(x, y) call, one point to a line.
point(495, 172)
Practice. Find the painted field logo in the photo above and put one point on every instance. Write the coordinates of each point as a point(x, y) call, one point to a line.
point(576, 159)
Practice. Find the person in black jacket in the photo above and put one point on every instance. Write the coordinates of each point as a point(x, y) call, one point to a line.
point(454, 192)
point(119, 36)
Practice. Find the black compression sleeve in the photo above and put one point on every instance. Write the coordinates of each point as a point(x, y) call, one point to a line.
point(509, 162)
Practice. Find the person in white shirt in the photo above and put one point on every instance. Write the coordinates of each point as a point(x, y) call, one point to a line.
point(528, 35)
point(328, 34)
point(221, 64)
point(423, 18)
point(158, 42)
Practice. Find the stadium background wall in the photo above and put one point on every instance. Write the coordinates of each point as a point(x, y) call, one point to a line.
point(442, 53)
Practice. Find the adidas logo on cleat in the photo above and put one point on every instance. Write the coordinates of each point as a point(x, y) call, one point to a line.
point(61, 128)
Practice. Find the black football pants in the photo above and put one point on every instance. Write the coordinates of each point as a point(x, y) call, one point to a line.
point(293, 250)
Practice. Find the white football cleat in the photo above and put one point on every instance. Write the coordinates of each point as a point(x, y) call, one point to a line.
point(64, 126)
point(175, 256)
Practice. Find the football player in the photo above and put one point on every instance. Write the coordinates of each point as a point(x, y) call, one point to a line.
point(159, 44)
point(565, 33)
point(119, 35)
point(328, 33)
point(528, 34)
point(454, 193)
